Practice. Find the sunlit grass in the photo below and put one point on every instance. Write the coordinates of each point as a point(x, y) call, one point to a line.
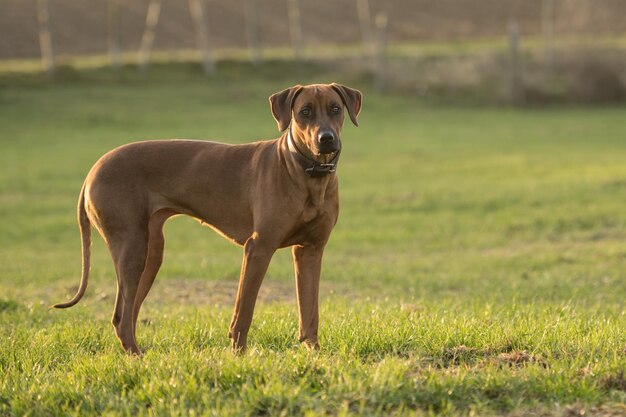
point(477, 266)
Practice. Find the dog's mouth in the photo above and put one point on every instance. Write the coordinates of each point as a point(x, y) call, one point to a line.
point(328, 148)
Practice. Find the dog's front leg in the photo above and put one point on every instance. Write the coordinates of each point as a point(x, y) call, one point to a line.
point(308, 265)
point(256, 259)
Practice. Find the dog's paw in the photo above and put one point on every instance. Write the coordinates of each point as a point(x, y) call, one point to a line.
point(238, 349)
point(311, 345)
point(239, 344)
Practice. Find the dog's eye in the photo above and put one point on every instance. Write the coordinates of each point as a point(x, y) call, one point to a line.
point(335, 110)
point(306, 112)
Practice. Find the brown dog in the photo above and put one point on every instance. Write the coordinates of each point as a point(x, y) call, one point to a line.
point(263, 195)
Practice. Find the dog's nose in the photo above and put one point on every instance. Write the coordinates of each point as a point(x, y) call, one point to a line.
point(326, 137)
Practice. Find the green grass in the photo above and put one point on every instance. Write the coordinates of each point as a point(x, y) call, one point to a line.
point(477, 266)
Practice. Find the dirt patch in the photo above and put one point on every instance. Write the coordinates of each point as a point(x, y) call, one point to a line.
point(576, 410)
point(454, 356)
point(195, 291)
point(519, 358)
point(615, 381)
point(502, 356)
point(222, 292)
point(573, 410)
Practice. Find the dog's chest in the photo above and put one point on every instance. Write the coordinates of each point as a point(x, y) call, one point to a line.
point(312, 212)
point(318, 213)
point(314, 226)
point(315, 205)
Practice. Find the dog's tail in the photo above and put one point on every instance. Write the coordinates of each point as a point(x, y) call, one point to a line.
point(85, 233)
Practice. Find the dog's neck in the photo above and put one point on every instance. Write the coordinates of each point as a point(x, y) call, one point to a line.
point(312, 166)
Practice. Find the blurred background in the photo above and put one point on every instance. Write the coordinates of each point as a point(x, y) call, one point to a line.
point(521, 51)
point(483, 201)
point(486, 124)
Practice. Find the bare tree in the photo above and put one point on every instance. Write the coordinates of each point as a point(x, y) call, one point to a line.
point(380, 52)
point(252, 30)
point(45, 36)
point(147, 40)
point(114, 33)
point(197, 9)
point(295, 28)
point(516, 92)
point(365, 21)
point(547, 30)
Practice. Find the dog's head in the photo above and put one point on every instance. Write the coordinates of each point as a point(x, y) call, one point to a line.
point(315, 114)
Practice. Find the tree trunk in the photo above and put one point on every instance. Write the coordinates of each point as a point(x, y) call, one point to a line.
point(197, 9)
point(114, 34)
point(45, 36)
point(252, 31)
point(147, 40)
point(295, 28)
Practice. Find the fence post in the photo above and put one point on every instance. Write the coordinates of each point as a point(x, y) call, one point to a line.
point(114, 34)
point(197, 10)
point(147, 40)
point(547, 31)
point(516, 93)
point(45, 36)
point(380, 53)
point(365, 21)
point(295, 27)
point(252, 31)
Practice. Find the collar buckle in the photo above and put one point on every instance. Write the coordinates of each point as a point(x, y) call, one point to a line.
point(320, 170)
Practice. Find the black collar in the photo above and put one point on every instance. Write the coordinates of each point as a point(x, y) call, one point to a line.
point(312, 167)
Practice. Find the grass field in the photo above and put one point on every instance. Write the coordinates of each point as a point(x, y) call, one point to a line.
point(477, 268)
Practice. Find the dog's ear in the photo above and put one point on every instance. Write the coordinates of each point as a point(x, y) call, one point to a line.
point(282, 103)
point(351, 99)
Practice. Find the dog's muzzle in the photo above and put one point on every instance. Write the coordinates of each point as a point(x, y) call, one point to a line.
point(327, 142)
point(312, 167)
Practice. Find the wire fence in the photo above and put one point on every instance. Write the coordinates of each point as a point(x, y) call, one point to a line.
point(342, 30)
point(87, 27)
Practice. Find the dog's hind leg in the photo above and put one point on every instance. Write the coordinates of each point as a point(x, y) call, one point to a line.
point(129, 251)
point(156, 245)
